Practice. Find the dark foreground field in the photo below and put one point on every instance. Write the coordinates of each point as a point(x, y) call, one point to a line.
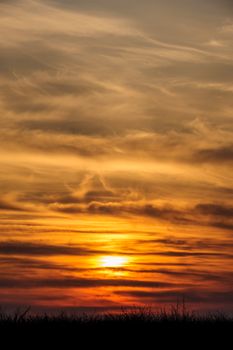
point(139, 325)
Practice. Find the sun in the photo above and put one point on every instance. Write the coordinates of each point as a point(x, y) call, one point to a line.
point(113, 261)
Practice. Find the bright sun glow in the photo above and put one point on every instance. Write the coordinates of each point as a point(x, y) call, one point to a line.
point(113, 261)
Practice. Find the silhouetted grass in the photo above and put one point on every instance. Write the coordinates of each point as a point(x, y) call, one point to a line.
point(133, 328)
point(133, 318)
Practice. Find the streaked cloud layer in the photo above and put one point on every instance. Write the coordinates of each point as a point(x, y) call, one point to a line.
point(116, 140)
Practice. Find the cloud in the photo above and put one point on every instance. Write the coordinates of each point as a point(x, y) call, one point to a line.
point(41, 249)
point(9, 202)
point(219, 155)
point(215, 210)
point(23, 261)
point(223, 225)
point(98, 195)
point(190, 244)
point(9, 206)
point(116, 119)
point(42, 19)
point(65, 283)
point(184, 254)
point(191, 296)
point(202, 214)
point(187, 274)
point(118, 209)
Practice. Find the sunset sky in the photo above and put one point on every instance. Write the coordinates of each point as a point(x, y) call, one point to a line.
point(116, 153)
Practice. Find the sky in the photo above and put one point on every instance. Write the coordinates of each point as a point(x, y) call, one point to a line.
point(116, 156)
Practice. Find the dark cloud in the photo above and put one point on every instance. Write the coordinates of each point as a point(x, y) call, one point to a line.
point(169, 214)
point(191, 244)
point(26, 248)
point(191, 254)
point(223, 277)
point(63, 87)
point(204, 72)
point(223, 225)
point(215, 155)
point(117, 208)
point(43, 249)
point(215, 210)
point(197, 10)
point(78, 126)
point(191, 296)
point(173, 242)
point(20, 264)
point(68, 282)
point(21, 104)
point(26, 263)
point(33, 56)
point(8, 206)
